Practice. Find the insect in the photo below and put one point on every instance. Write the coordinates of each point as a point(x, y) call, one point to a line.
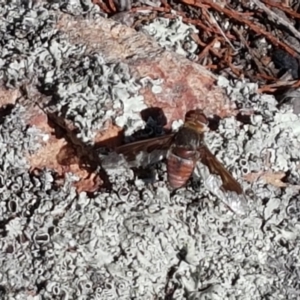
point(187, 154)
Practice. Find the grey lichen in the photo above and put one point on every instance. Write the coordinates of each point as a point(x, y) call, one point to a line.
point(173, 35)
point(96, 91)
point(85, 88)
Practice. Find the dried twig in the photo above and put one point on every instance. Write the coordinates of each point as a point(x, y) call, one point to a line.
point(211, 31)
point(276, 17)
point(283, 8)
point(279, 84)
point(244, 42)
point(112, 5)
point(222, 32)
point(165, 4)
point(102, 5)
point(240, 17)
point(171, 15)
point(207, 48)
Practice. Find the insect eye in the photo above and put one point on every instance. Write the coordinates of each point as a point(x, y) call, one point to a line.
point(196, 115)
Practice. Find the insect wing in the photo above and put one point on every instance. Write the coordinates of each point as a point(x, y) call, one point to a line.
point(148, 145)
point(218, 180)
point(143, 153)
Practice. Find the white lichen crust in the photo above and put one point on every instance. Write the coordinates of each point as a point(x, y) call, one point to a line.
point(138, 241)
point(173, 34)
point(84, 88)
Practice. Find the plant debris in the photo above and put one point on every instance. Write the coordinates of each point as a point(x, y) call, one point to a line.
point(235, 39)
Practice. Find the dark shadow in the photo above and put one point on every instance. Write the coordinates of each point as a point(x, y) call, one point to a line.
point(213, 122)
point(76, 151)
point(284, 62)
point(155, 120)
point(287, 95)
point(88, 156)
point(156, 114)
point(243, 118)
point(5, 111)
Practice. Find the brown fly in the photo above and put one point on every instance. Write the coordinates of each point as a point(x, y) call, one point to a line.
point(187, 153)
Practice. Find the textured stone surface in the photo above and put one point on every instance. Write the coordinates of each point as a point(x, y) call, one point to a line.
point(177, 84)
point(135, 240)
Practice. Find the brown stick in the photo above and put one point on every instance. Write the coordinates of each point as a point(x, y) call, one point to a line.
point(239, 17)
point(276, 17)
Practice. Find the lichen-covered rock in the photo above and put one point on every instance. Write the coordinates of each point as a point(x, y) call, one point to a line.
point(173, 35)
point(135, 240)
point(169, 81)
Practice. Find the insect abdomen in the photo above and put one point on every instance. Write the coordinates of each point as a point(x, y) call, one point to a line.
point(180, 166)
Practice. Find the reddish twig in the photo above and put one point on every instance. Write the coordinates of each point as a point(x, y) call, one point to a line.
point(146, 18)
point(103, 6)
point(112, 5)
point(211, 67)
point(279, 84)
point(165, 4)
point(241, 19)
point(150, 8)
point(277, 18)
point(170, 15)
point(283, 8)
point(207, 48)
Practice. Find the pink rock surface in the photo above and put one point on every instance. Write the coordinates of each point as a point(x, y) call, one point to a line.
point(186, 85)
